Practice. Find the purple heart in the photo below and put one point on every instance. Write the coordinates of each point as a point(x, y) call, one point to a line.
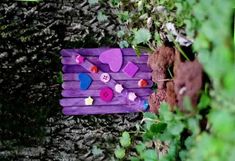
point(113, 58)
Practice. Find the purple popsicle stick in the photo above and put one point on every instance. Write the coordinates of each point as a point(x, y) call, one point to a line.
point(95, 93)
point(98, 84)
point(95, 51)
point(95, 60)
point(84, 110)
point(66, 102)
point(103, 67)
point(115, 76)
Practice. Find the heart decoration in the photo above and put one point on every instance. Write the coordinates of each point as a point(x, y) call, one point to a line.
point(113, 58)
point(85, 81)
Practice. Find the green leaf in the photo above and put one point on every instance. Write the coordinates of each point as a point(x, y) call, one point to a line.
point(120, 153)
point(176, 128)
point(165, 113)
point(123, 16)
point(125, 140)
point(140, 148)
point(204, 101)
point(150, 155)
point(189, 142)
point(92, 2)
point(29, 0)
point(137, 50)
point(60, 78)
point(102, 17)
point(150, 115)
point(123, 44)
point(141, 36)
point(187, 104)
point(120, 33)
point(158, 128)
point(96, 151)
point(193, 125)
point(134, 159)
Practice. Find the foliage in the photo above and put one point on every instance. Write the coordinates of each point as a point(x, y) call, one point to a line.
point(147, 18)
point(206, 132)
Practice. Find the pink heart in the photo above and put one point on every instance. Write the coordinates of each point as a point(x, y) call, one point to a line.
point(113, 58)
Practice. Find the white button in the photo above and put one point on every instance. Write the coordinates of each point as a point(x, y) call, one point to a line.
point(105, 77)
point(119, 88)
point(132, 96)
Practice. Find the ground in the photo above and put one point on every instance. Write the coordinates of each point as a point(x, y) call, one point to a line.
point(32, 126)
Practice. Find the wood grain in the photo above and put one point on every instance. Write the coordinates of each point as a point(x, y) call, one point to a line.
point(95, 93)
point(84, 110)
point(97, 84)
point(115, 76)
point(95, 52)
point(66, 102)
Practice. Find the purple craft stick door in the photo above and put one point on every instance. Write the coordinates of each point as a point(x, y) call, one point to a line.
point(73, 101)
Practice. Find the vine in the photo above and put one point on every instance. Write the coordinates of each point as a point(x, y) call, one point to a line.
point(206, 132)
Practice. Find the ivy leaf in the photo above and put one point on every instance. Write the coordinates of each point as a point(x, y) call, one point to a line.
point(165, 113)
point(158, 128)
point(96, 151)
point(176, 128)
point(123, 16)
point(92, 2)
point(140, 148)
point(193, 125)
point(123, 44)
point(120, 153)
point(149, 155)
point(125, 140)
point(102, 17)
point(141, 36)
point(189, 142)
point(204, 101)
point(134, 159)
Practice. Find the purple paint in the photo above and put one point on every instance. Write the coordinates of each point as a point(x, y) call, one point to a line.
point(103, 67)
point(95, 52)
point(95, 93)
point(97, 85)
point(84, 110)
point(116, 76)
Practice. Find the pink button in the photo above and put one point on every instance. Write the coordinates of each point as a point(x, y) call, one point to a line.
point(105, 77)
point(106, 94)
point(80, 59)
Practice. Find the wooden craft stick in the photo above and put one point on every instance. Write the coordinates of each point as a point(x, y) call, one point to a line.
point(67, 102)
point(98, 85)
point(115, 76)
point(81, 93)
point(105, 68)
point(84, 110)
point(95, 60)
point(95, 51)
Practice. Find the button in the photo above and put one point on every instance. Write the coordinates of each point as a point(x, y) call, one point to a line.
point(106, 94)
point(118, 88)
point(130, 69)
point(132, 96)
point(89, 101)
point(145, 105)
point(142, 83)
point(94, 69)
point(80, 59)
point(105, 77)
